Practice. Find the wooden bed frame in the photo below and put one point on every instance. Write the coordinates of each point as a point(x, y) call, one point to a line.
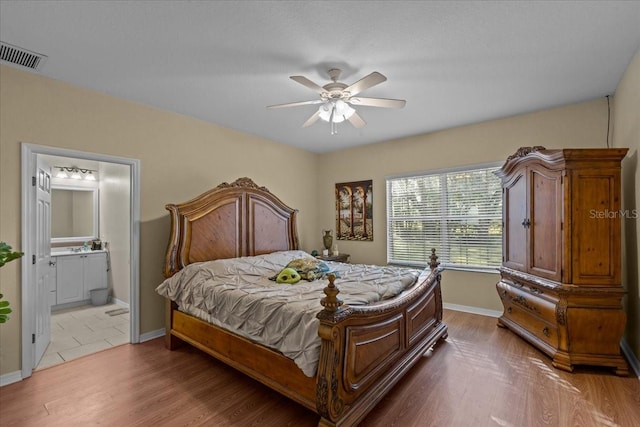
point(365, 350)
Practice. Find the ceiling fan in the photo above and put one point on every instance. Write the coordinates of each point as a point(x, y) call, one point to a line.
point(337, 99)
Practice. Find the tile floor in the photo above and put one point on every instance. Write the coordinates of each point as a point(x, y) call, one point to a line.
point(84, 330)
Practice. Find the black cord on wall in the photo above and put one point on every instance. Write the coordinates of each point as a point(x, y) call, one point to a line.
point(608, 120)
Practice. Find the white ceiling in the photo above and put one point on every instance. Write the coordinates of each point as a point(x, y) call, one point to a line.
point(223, 62)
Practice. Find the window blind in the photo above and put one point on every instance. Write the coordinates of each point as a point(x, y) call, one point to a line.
point(459, 213)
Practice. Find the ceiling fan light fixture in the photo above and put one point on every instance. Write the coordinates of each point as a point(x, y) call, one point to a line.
point(341, 111)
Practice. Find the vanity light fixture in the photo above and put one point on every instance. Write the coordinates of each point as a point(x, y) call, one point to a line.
point(62, 173)
point(76, 173)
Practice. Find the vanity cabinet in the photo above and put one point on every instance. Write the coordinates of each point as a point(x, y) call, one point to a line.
point(560, 281)
point(78, 274)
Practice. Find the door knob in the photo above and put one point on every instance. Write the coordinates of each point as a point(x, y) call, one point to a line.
point(526, 223)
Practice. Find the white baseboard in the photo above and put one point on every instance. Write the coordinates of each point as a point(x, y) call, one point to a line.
point(119, 302)
point(68, 305)
point(10, 378)
point(152, 335)
point(631, 357)
point(472, 310)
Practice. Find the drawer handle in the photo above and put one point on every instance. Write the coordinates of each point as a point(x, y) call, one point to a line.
point(535, 290)
point(509, 310)
point(545, 331)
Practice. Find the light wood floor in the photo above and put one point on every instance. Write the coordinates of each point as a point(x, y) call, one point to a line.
point(481, 376)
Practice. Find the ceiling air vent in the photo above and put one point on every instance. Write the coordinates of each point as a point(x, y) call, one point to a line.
point(22, 57)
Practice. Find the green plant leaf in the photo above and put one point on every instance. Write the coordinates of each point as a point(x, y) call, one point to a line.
point(7, 254)
point(4, 310)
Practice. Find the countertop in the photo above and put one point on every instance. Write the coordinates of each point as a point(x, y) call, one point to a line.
point(72, 251)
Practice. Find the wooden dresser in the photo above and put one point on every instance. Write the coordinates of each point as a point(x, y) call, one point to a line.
point(561, 272)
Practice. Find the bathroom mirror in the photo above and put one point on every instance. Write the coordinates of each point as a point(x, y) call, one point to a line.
point(74, 214)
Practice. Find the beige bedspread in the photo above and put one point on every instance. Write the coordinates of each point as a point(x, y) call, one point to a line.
point(237, 295)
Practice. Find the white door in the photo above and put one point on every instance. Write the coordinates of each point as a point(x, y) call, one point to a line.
point(42, 333)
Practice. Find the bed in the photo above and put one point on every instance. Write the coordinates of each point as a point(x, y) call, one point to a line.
point(363, 350)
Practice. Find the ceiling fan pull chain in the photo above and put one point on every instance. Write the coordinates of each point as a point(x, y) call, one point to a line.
point(332, 119)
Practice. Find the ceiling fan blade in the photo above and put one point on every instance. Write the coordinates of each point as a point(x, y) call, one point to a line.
point(308, 83)
point(295, 104)
point(356, 121)
point(366, 82)
point(378, 102)
point(311, 120)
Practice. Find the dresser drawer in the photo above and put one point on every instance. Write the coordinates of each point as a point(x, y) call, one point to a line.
point(543, 330)
point(527, 301)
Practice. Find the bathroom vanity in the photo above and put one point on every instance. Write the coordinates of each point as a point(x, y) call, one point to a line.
point(76, 274)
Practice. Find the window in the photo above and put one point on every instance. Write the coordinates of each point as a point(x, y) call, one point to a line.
point(457, 212)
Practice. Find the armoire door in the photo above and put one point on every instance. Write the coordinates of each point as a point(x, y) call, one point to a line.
point(545, 218)
point(515, 214)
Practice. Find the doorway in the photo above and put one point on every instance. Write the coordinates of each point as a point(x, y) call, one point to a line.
point(120, 179)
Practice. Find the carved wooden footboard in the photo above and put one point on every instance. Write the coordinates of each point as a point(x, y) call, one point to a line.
point(365, 350)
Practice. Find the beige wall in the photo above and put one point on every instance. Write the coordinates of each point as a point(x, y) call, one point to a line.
point(180, 158)
point(626, 133)
point(580, 125)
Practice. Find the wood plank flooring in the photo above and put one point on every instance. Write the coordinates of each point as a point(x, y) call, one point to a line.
point(481, 375)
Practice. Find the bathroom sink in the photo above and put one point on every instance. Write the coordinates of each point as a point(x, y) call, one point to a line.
point(70, 251)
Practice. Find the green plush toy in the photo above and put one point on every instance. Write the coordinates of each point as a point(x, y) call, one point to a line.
point(288, 275)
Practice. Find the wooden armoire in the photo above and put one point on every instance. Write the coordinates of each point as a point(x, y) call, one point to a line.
point(560, 281)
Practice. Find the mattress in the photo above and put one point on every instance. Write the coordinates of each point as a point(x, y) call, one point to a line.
point(237, 295)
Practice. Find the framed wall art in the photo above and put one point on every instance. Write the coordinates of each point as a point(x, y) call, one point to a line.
point(354, 210)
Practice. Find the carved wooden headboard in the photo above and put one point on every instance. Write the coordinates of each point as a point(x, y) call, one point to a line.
point(229, 221)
